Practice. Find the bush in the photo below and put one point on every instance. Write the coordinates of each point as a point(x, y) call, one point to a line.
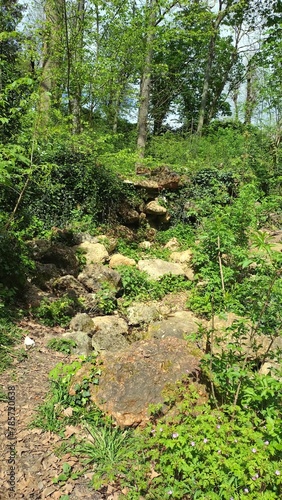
point(71, 181)
point(58, 312)
point(14, 265)
point(212, 454)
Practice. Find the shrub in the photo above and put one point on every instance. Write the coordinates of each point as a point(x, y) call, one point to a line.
point(58, 312)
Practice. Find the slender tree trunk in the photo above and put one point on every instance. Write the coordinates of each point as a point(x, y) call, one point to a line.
point(208, 70)
point(50, 62)
point(142, 126)
point(250, 95)
point(77, 88)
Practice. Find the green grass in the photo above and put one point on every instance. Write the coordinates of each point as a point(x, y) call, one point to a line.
point(10, 335)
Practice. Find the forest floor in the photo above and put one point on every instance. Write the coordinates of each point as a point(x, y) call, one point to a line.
point(36, 462)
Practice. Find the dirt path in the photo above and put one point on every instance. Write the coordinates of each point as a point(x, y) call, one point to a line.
point(35, 463)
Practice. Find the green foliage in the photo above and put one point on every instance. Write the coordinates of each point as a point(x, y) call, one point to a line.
point(64, 476)
point(72, 183)
point(137, 286)
point(207, 453)
point(62, 345)
point(14, 265)
point(59, 312)
point(9, 336)
point(182, 232)
point(106, 299)
point(50, 415)
point(219, 258)
point(110, 449)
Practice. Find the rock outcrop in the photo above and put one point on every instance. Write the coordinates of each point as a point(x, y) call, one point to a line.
point(135, 378)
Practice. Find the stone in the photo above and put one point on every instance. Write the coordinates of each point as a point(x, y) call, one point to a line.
point(68, 284)
point(109, 341)
point(120, 260)
point(154, 208)
point(156, 268)
point(128, 214)
point(109, 243)
point(94, 275)
point(82, 323)
point(181, 257)
point(145, 245)
point(56, 254)
point(83, 342)
point(107, 324)
point(139, 314)
point(178, 325)
point(94, 252)
point(33, 296)
point(108, 333)
point(136, 378)
point(172, 244)
point(43, 273)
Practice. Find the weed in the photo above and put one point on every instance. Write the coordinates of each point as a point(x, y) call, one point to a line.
point(58, 312)
point(136, 285)
point(50, 415)
point(9, 336)
point(110, 449)
point(106, 299)
point(62, 345)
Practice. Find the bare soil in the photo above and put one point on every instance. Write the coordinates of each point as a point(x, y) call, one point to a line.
point(36, 463)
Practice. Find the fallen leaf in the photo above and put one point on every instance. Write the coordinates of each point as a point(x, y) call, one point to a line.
point(48, 491)
point(154, 474)
point(70, 430)
point(67, 412)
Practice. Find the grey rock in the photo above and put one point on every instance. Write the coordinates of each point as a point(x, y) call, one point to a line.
point(83, 342)
point(139, 314)
point(156, 268)
point(178, 325)
point(82, 323)
point(94, 275)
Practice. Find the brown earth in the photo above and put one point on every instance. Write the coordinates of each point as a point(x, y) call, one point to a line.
point(36, 462)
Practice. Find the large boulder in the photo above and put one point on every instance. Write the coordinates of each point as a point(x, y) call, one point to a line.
point(94, 252)
point(82, 322)
point(138, 314)
point(82, 340)
point(183, 257)
point(178, 325)
point(156, 268)
point(154, 208)
point(121, 260)
point(70, 286)
point(94, 276)
point(128, 214)
point(60, 256)
point(42, 274)
point(67, 284)
point(108, 333)
point(135, 378)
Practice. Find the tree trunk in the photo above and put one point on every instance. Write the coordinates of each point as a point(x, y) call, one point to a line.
point(50, 62)
point(142, 126)
point(77, 88)
point(208, 71)
point(250, 95)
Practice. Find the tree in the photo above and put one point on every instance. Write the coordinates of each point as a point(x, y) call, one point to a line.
point(11, 94)
point(243, 17)
point(142, 126)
